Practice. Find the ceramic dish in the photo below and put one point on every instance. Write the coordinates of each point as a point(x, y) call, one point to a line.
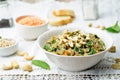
point(9, 50)
point(30, 32)
point(75, 63)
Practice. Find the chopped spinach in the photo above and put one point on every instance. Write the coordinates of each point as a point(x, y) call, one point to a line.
point(89, 43)
point(92, 51)
point(53, 41)
point(54, 49)
point(81, 51)
point(47, 47)
point(76, 49)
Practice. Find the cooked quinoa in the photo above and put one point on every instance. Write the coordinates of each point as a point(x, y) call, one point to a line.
point(75, 43)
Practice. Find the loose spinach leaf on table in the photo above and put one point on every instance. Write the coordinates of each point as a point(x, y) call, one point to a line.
point(41, 64)
point(114, 29)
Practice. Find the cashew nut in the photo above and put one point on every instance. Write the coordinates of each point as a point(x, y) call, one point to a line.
point(27, 67)
point(5, 67)
point(117, 60)
point(20, 53)
point(116, 66)
point(15, 64)
point(27, 57)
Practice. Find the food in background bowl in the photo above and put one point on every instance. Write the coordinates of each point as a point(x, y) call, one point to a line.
point(75, 43)
point(30, 21)
point(61, 17)
point(75, 63)
point(6, 43)
point(7, 46)
point(64, 12)
point(59, 21)
point(30, 27)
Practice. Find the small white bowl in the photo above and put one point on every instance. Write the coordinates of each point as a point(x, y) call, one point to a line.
point(28, 32)
point(9, 50)
point(75, 63)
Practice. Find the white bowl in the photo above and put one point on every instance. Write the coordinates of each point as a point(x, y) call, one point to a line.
point(75, 63)
point(30, 33)
point(6, 51)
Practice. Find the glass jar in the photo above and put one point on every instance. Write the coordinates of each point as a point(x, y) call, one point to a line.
point(90, 9)
point(5, 17)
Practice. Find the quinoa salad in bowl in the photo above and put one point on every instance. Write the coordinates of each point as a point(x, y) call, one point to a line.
point(75, 43)
point(75, 49)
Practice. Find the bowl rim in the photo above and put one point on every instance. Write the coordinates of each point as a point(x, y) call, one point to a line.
point(16, 43)
point(26, 26)
point(46, 52)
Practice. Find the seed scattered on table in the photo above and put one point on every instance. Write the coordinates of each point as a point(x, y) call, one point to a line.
point(112, 49)
point(97, 26)
point(90, 25)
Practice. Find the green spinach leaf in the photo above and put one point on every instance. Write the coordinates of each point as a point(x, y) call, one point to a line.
point(41, 64)
point(114, 29)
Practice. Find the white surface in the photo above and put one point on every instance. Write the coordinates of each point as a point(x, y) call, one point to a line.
point(107, 17)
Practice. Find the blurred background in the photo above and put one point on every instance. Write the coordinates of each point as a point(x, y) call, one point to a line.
point(105, 8)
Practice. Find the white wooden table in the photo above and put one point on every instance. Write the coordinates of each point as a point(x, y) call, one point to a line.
point(107, 17)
